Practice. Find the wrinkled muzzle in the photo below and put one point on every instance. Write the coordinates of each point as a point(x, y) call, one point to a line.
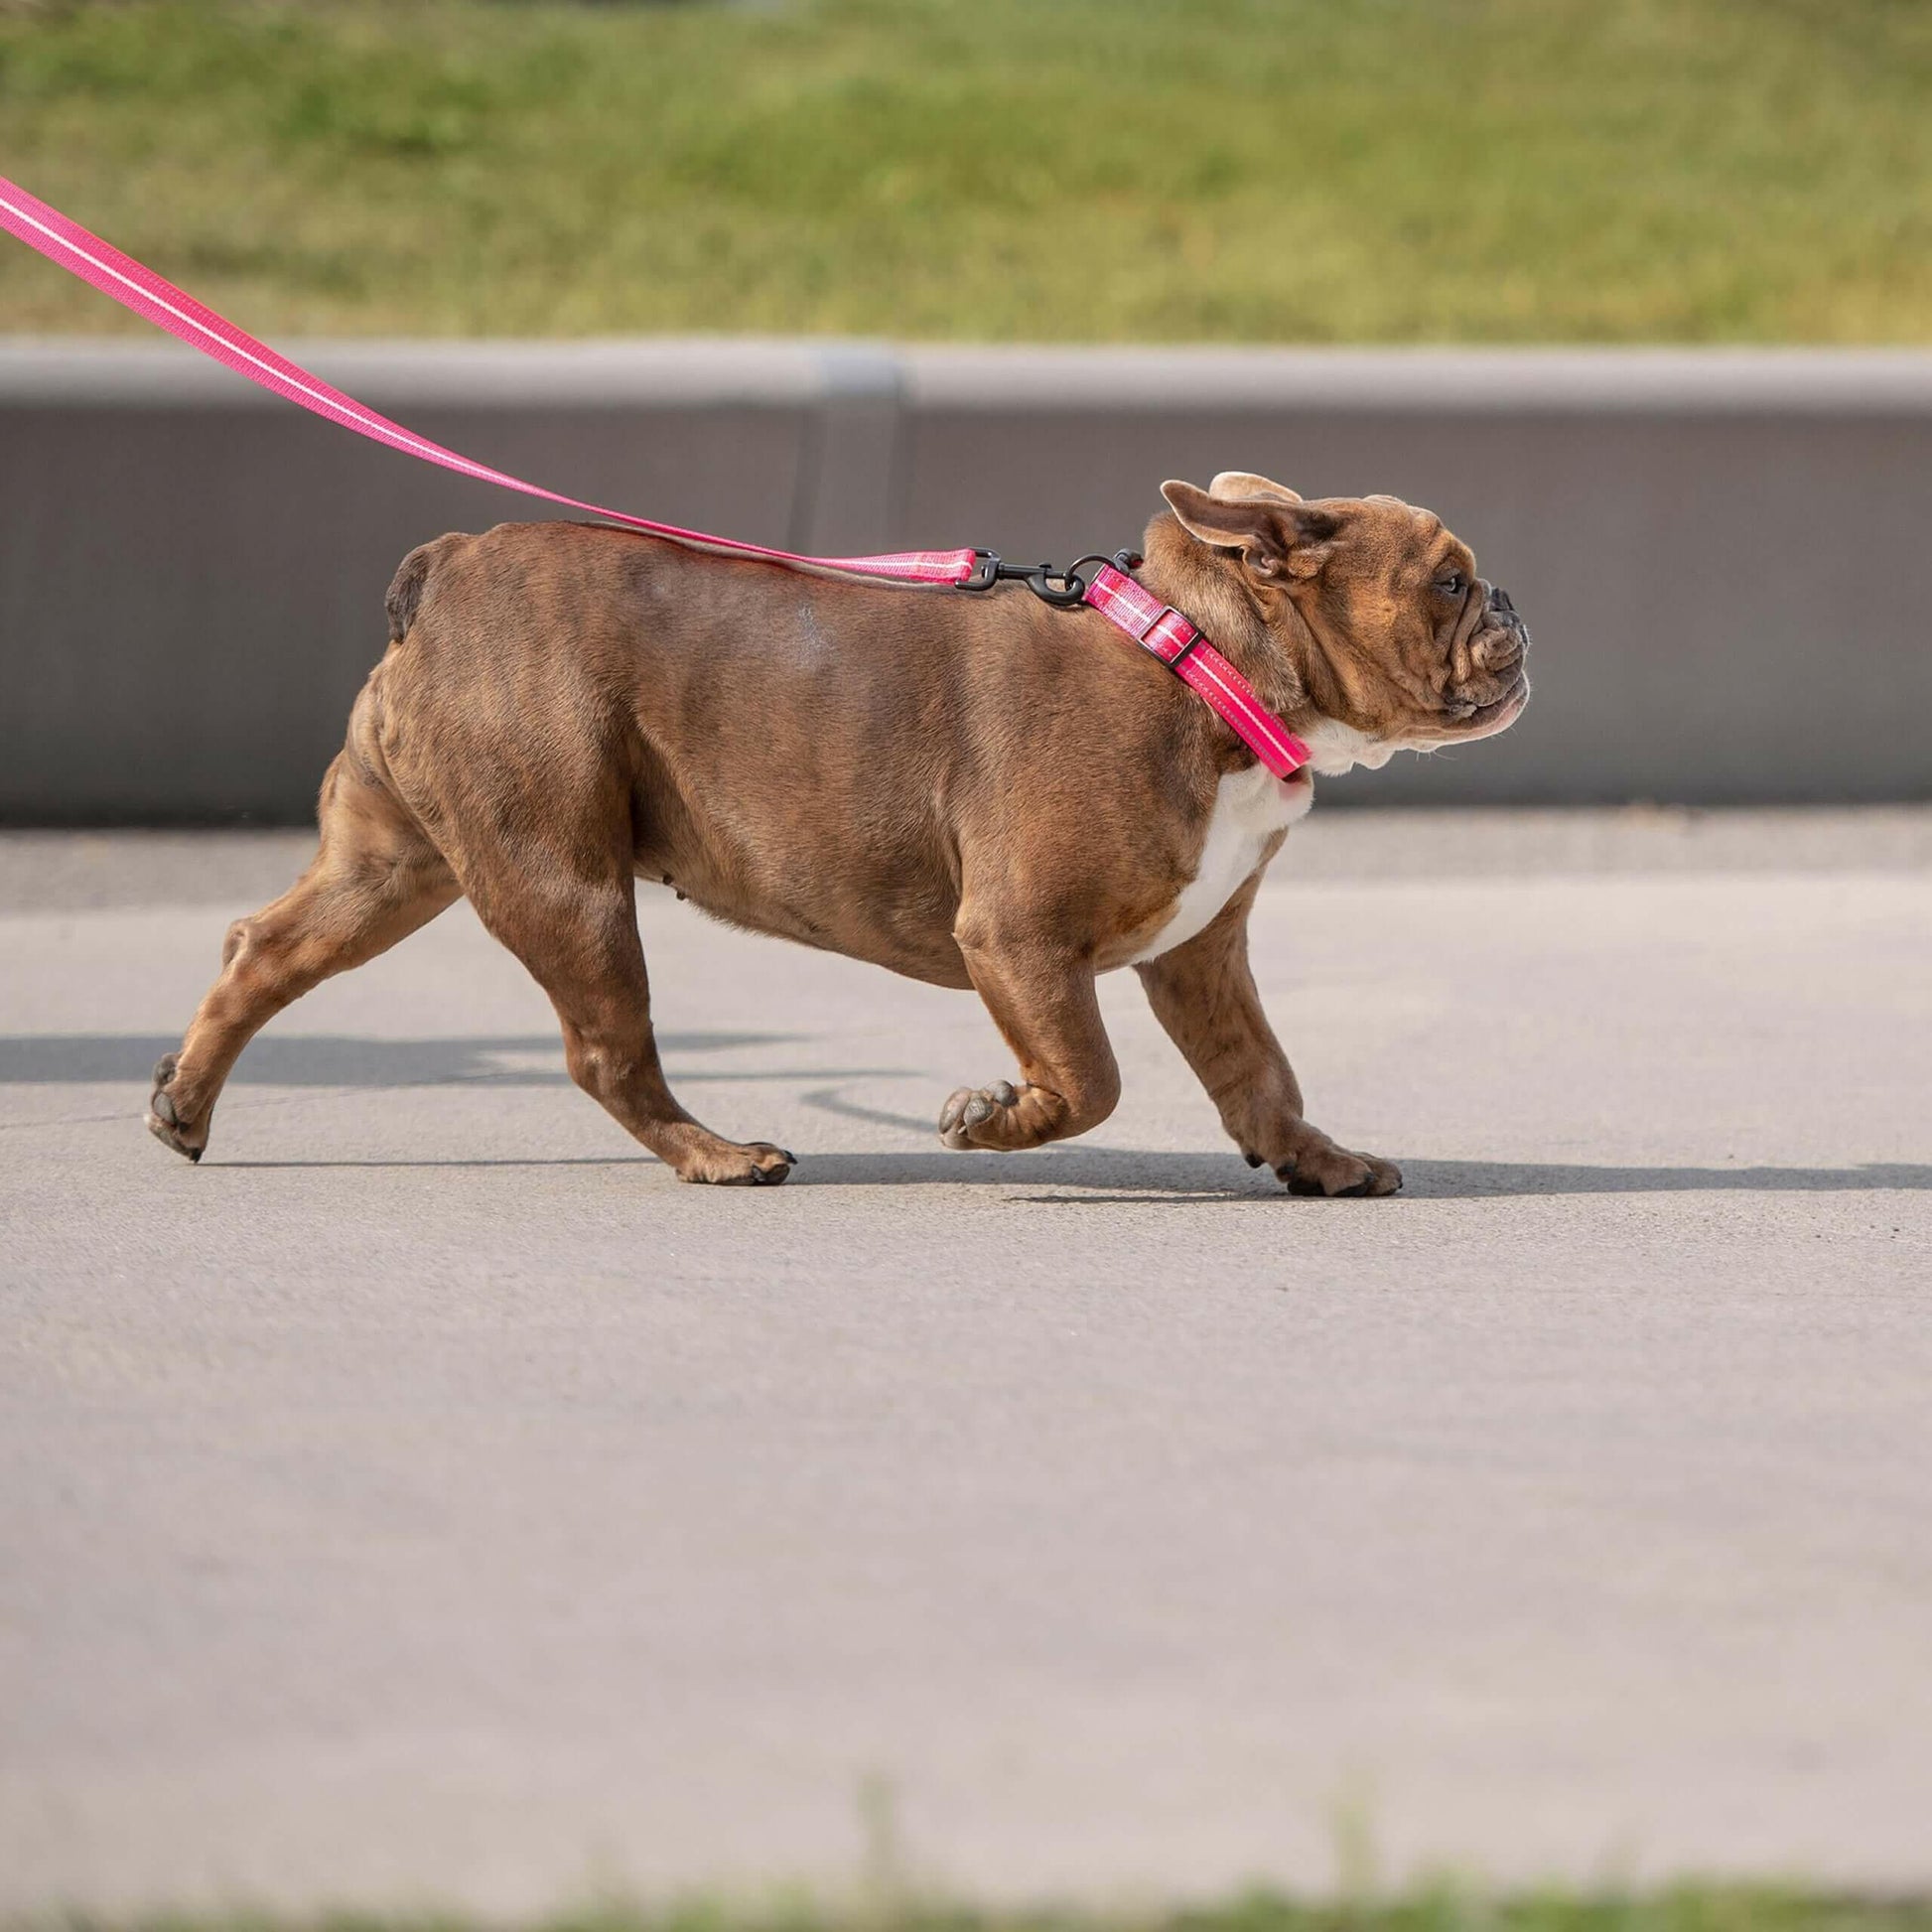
point(1492, 684)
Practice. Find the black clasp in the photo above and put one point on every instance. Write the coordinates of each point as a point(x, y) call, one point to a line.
point(1061, 588)
point(989, 567)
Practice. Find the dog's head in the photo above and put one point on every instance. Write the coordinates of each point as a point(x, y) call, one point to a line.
point(1394, 640)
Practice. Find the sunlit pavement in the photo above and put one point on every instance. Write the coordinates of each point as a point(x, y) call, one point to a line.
point(427, 1498)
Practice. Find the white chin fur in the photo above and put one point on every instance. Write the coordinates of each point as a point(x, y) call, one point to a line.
point(1339, 747)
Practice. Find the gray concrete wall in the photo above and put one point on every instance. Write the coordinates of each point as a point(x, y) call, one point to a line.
point(1721, 554)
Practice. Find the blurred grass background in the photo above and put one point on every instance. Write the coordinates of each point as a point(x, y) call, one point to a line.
point(1438, 1908)
point(1429, 1908)
point(1273, 171)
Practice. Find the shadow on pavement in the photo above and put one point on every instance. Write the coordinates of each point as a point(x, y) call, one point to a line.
point(1116, 1176)
point(1123, 1175)
point(332, 1060)
point(1099, 1173)
point(1478, 1180)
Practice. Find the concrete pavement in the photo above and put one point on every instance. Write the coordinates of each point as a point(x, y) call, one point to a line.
point(427, 1498)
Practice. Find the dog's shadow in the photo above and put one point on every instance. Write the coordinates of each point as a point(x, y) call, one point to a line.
point(1106, 1177)
point(1076, 1175)
point(341, 1059)
point(1090, 1177)
point(1152, 1178)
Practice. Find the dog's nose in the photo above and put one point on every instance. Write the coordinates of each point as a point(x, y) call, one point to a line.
point(1499, 599)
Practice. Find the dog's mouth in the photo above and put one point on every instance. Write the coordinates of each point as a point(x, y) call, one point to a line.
point(1504, 710)
point(1483, 719)
point(1337, 747)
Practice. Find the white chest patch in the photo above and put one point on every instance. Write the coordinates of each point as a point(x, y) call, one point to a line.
point(1251, 808)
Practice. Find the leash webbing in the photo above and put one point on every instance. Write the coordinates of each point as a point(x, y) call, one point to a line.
point(137, 287)
point(1159, 629)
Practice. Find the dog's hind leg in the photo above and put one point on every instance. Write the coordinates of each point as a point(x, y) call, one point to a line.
point(374, 880)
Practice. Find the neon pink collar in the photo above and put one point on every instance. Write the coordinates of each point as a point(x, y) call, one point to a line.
point(1155, 626)
point(1184, 649)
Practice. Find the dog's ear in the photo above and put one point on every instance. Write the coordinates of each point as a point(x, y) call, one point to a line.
point(1234, 484)
point(1276, 535)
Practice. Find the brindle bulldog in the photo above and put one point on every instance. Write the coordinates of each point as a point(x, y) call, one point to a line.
point(975, 791)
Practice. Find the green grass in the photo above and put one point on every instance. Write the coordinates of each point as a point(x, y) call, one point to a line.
point(1251, 170)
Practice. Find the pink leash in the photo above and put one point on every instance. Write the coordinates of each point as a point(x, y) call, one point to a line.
point(1155, 626)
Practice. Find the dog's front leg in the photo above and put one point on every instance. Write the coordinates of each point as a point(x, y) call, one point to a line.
point(1203, 993)
point(1042, 998)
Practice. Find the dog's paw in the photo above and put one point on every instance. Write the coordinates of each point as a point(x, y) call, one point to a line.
point(1329, 1170)
point(971, 1115)
point(164, 1122)
point(758, 1165)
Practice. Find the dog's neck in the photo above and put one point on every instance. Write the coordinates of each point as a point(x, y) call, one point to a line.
point(1206, 587)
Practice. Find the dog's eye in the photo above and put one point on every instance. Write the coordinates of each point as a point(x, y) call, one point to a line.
point(1454, 585)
